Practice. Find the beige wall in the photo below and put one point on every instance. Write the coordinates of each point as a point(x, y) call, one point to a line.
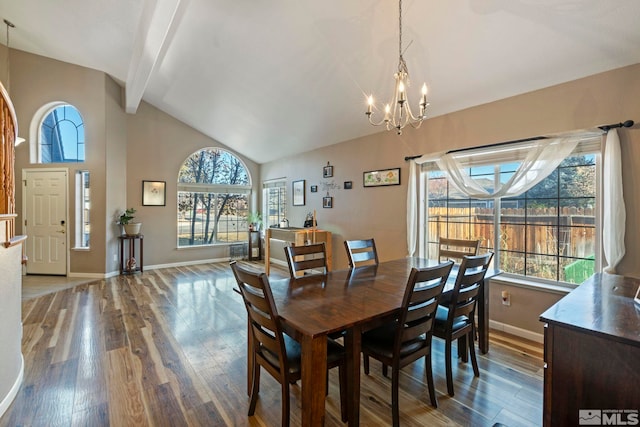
point(380, 212)
point(157, 146)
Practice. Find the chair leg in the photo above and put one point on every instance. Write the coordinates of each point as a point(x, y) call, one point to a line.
point(447, 355)
point(385, 370)
point(472, 352)
point(255, 388)
point(285, 404)
point(395, 384)
point(366, 364)
point(430, 383)
point(342, 373)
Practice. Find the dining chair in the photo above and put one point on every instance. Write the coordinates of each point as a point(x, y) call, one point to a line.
point(361, 252)
point(306, 259)
point(272, 349)
point(455, 249)
point(408, 338)
point(456, 321)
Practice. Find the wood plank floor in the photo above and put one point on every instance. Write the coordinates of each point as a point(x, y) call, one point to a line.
point(168, 348)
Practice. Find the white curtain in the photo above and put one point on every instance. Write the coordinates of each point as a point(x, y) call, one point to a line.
point(614, 215)
point(543, 157)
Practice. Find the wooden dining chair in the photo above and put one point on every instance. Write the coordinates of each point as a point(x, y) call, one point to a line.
point(361, 252)
point(456, 321)
point(306, 259)
point(408, 338)
point(455, 249)
point(272, 349)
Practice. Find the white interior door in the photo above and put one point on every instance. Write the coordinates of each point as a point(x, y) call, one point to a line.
point(45, 213)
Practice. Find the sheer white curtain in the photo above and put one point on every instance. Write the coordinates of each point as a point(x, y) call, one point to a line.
point(614, 214)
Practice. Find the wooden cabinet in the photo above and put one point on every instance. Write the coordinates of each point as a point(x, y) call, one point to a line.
point(298, 237)
point(592, 352)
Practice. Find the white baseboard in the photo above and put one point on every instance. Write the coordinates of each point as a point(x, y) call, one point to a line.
point(514, 330)
point(4, 404)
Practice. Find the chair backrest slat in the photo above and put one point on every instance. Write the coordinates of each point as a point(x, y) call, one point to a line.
point(361, 252)
point(455, 249)
point(307, 259)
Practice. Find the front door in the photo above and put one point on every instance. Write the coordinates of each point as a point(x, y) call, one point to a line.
point(45, 220)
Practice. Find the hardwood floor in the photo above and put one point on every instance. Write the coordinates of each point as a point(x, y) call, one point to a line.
point(168, 348)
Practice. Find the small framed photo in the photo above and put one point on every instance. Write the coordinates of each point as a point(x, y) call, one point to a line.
point(348, 185)
point(327, 171)
point(314, 188)
point(381, 177)
point(298, 193)
point(154, 193)
point(327, 202)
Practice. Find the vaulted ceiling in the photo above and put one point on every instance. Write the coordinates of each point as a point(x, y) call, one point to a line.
point(274, 78)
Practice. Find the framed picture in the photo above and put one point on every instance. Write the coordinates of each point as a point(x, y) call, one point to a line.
point(314, 188)
point(327, 171)
point(348, 185)
point(298, 193)
point(327, 202)
point(381, 177)
point(154, 193)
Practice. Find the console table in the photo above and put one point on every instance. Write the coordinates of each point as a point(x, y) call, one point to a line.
point(592, 352)
point(130, 264)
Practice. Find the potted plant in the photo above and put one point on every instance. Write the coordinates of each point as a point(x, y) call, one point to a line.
point(255, 220)
point(125, 219)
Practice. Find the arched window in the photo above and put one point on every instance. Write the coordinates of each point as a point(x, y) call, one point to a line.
point(213, 190)
point(61, 134)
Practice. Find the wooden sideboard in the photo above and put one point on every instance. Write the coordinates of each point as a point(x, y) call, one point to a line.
point(592, 352)
point(298, 237)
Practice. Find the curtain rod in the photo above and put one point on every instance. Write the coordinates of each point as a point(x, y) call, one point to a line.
point(604, 128)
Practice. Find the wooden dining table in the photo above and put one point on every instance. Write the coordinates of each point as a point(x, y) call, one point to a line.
point(352, 300)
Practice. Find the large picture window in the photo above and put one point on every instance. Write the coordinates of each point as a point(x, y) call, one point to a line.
point(547, 233)
point(213, 190)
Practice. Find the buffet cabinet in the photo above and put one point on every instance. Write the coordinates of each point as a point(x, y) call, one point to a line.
point(592, 354)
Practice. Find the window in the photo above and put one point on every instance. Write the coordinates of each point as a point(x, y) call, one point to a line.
point(274, 194)
point(213, 189)
point(547, 233)
point(83, 207)
point(61, 136)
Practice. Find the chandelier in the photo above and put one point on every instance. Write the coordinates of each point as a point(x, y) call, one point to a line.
point(398, 116)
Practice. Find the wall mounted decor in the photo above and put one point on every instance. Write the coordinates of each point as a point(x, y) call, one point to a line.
point(314, 188)
point(327, 202)
point(381, 177)
point(348, 185)
point(327, 171)
point(154, 193)
point(298, 193)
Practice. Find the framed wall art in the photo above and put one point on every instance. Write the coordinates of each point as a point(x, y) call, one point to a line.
point(327, 171)
point(298, 193)
point(327, 202)
point(348, 185)
point(381, 177)
point(154, 193)
point(314, 188)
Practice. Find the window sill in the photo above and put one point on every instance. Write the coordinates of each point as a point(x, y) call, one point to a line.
point(506, 279)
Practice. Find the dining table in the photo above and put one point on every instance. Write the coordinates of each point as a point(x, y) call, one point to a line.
point(353, 301)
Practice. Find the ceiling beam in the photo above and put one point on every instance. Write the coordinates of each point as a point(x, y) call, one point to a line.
point(158, 23)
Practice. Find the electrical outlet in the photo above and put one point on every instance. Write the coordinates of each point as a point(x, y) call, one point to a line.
point(506, 298)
